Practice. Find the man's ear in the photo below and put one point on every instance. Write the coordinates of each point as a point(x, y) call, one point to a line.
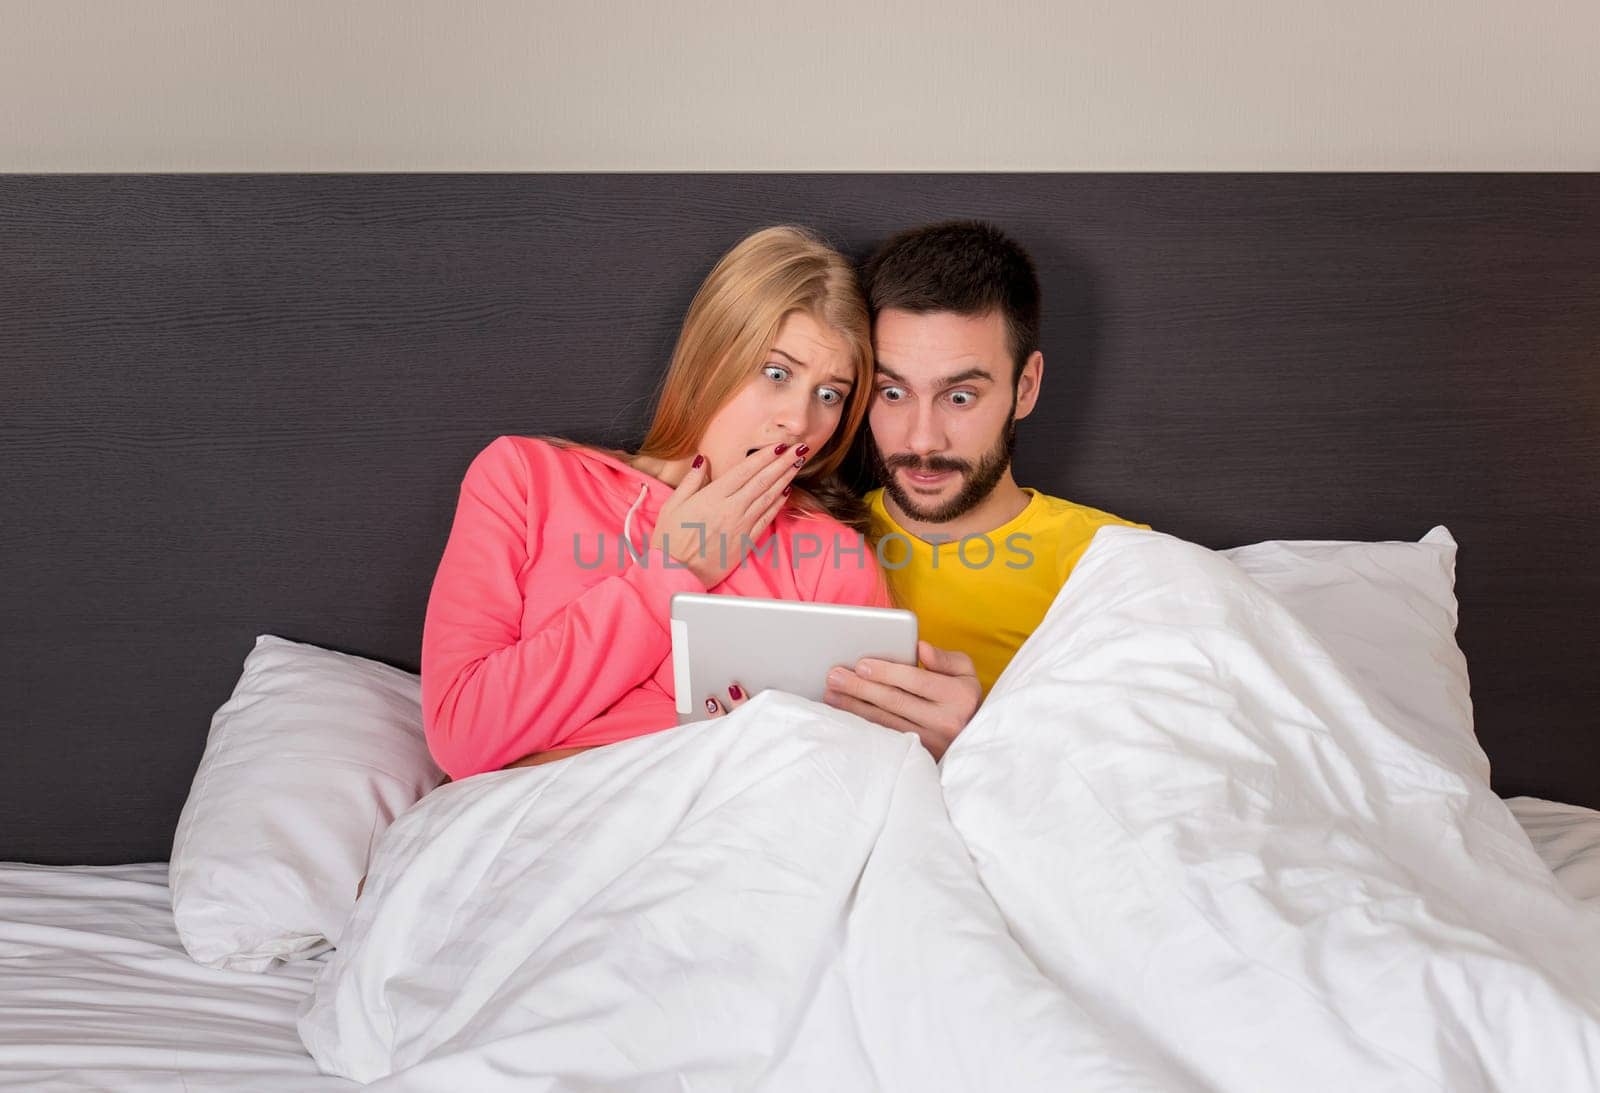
point(1028, 383)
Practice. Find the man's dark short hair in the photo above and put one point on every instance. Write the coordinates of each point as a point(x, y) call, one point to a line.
point(961, 266)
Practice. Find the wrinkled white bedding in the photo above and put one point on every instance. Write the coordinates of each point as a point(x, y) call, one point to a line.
point(1567, 838)
point(97, 993)
point(1185, 854)
point(113, 1003)
point(774, 899)
point(1188, 811)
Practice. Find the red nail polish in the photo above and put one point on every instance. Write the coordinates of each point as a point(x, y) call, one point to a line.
point(711, 705)
point(780, 449)
point(699, 459)
point(735, 693)
point(803, 449)
point(786, 491)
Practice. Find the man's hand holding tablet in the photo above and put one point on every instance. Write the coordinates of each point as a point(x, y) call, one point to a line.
point(935, 699)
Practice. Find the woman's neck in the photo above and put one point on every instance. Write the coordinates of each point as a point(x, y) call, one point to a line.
point(670, 471)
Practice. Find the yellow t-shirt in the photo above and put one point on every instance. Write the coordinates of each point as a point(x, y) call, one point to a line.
point(984, 595)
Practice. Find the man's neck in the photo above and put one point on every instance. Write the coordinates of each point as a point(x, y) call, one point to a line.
point(1004, 504)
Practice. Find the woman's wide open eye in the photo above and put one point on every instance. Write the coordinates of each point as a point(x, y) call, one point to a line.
point(830, 396)
point(782, 373)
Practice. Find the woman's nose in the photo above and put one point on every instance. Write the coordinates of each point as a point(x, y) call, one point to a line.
point(793, 418)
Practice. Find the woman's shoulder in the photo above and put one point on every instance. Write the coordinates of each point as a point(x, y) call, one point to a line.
point(525, 457)
point(834, 563)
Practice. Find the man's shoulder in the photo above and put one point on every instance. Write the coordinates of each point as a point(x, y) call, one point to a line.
point(1072, 515)
point(1062, 529)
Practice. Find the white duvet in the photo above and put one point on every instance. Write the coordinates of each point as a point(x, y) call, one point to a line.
point(1176, 850)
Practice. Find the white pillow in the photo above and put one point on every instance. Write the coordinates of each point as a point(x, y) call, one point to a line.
point(307, 763)
point(1387, 613)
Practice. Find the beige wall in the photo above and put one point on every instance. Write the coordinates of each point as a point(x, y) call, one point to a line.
point(428, 85)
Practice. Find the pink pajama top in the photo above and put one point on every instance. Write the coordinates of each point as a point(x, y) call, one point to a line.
point(544, 630)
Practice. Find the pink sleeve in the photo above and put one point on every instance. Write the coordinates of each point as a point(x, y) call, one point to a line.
point(851, 576)
point(491, 695)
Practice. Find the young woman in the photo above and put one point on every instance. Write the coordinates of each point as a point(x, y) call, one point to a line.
point(547, 629)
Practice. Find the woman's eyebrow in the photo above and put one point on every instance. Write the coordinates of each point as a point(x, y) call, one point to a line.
point(841, 380)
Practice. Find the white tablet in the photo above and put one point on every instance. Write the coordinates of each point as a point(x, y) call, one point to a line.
point(778, 644)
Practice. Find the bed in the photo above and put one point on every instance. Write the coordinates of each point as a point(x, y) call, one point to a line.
point(97, 993)
point(1231, 359)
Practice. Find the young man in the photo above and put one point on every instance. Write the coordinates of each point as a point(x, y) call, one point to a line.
point(977, 557)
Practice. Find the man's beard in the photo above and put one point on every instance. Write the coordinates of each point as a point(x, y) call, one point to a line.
point(977, 481)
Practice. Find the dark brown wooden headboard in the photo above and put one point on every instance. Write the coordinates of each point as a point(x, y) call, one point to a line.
point(233, 405)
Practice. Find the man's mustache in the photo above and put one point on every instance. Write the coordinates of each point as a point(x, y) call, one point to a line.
point(934, 464)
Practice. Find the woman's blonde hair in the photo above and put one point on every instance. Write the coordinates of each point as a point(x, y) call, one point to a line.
point(731, 326)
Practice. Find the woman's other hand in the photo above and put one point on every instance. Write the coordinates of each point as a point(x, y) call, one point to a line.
point(709, 524)
point(717, 705)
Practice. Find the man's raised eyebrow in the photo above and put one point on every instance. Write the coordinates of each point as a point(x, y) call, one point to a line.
point(945, 381)
point(842, 381)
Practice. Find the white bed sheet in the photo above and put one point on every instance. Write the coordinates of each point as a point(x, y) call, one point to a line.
point(1567, 838)
point(96, 992)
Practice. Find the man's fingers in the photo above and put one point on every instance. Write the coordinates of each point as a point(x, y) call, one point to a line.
point(915, 710)
point(867, 711)
point(948, 662)
point(928, 683)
